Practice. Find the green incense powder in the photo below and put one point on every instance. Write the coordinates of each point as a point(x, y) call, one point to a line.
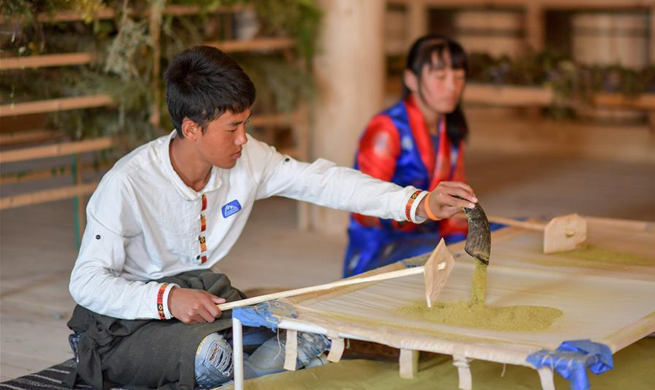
point(479, 284)
point(480, 316)
point(594, 253)
point(475, 314)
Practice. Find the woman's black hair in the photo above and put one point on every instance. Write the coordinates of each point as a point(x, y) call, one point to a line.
point(202, 83)
point(423, 53)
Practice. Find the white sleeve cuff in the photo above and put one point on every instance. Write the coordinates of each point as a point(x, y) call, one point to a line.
point(167, 312)
point(417, 201)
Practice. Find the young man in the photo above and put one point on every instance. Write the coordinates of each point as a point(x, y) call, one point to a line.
point(171, 209)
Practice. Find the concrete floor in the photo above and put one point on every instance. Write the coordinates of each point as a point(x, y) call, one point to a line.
point(37, 248)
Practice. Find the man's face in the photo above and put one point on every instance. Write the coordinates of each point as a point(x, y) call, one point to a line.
point(441, 87)
point(222, 141)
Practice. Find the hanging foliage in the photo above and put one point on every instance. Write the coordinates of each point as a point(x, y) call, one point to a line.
point(124, 56)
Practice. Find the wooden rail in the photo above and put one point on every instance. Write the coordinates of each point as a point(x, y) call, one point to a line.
point(54, 105)
point(44, 61)
point(108, 13)
point(514, 96)
point(261, 44)
point(51, 195)
point(56, 150)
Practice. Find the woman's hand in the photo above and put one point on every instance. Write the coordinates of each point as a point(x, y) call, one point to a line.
point(445, 202)
point(193, 306)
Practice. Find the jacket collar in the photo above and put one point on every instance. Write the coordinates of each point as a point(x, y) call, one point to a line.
point(185, 191)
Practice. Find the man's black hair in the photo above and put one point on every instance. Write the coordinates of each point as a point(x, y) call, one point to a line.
point(424, 52)
point(202, 83)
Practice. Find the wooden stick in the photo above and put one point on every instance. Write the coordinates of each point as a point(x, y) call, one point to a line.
point(54, 105)
point(49, 173)
point(321, 287)
point(108, 13)
point(28, 136)
point(271, 120)
point(11, 202)
point(253, 44)
point(45, 61)
point(521, 224)
point(56, 150)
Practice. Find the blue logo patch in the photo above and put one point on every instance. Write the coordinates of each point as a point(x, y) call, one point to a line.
point(231, 208)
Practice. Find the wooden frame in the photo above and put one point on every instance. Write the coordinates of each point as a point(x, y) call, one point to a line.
point(493, 345)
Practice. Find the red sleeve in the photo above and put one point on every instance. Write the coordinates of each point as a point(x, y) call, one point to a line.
point(379, 149)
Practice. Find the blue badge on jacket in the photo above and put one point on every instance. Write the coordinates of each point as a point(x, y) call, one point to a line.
point(231, 208)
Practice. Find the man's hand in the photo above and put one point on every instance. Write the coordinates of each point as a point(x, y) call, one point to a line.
point(193, 306)
point(443, 202)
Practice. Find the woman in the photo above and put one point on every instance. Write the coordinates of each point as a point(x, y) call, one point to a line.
point(416, 142)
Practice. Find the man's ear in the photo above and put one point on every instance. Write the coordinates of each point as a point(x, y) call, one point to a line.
point(411, 81)
point(190, 129)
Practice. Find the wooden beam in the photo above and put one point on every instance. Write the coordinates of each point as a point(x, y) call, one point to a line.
point(108, 13)
point(49, 173)
point(535, 27)
point(508, 95)
point(54, 105)
point(17, 138)
point(641, 102)
point(280, 119)
point(652, 35)
point(261, 44)
point(38, 197)
point(45, 61)
point(550, 4)
point(56, 150)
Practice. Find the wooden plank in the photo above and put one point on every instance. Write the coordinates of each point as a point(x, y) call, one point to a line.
point(553, 4)
point(54, 105)
point(260, 44)
point(108, 13)
point(10, 202)
point(508, 95)
point(49, 173)
point(516, 96)
point(279, 119)
point(644, 102)
point(56, 150)
point(45, 61)
point(28, 136)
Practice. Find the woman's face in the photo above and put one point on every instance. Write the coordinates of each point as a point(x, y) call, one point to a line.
point(439, 88)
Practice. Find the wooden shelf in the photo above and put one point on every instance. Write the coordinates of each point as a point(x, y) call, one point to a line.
point(507, 95)
point(271, 120)
point(49, 173)
point(513, 96)
point(554, 4)
point(261, 44)
point(45, 61)
point(21, 137)
point(10, 202)
point(54, 105)
point(108, 13)
point(56, 150)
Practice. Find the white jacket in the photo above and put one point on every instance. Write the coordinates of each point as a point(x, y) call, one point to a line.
point(143, 222)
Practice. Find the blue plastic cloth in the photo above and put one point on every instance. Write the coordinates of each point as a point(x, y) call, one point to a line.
point(267, 314)
point(572, 358)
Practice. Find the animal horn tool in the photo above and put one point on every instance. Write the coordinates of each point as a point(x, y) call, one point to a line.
point(478, 239)
point(561, 234)
point(435, 273)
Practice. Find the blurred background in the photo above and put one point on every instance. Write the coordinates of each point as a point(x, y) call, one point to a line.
point(560, 103)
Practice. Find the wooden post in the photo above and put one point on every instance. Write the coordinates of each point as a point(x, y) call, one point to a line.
point(350, 85)
point(535, 25)
point(155, 33)
point(651, 113)
point(417, 21)
point(78, 200)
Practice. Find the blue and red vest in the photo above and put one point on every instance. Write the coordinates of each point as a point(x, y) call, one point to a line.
point(398, 147)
